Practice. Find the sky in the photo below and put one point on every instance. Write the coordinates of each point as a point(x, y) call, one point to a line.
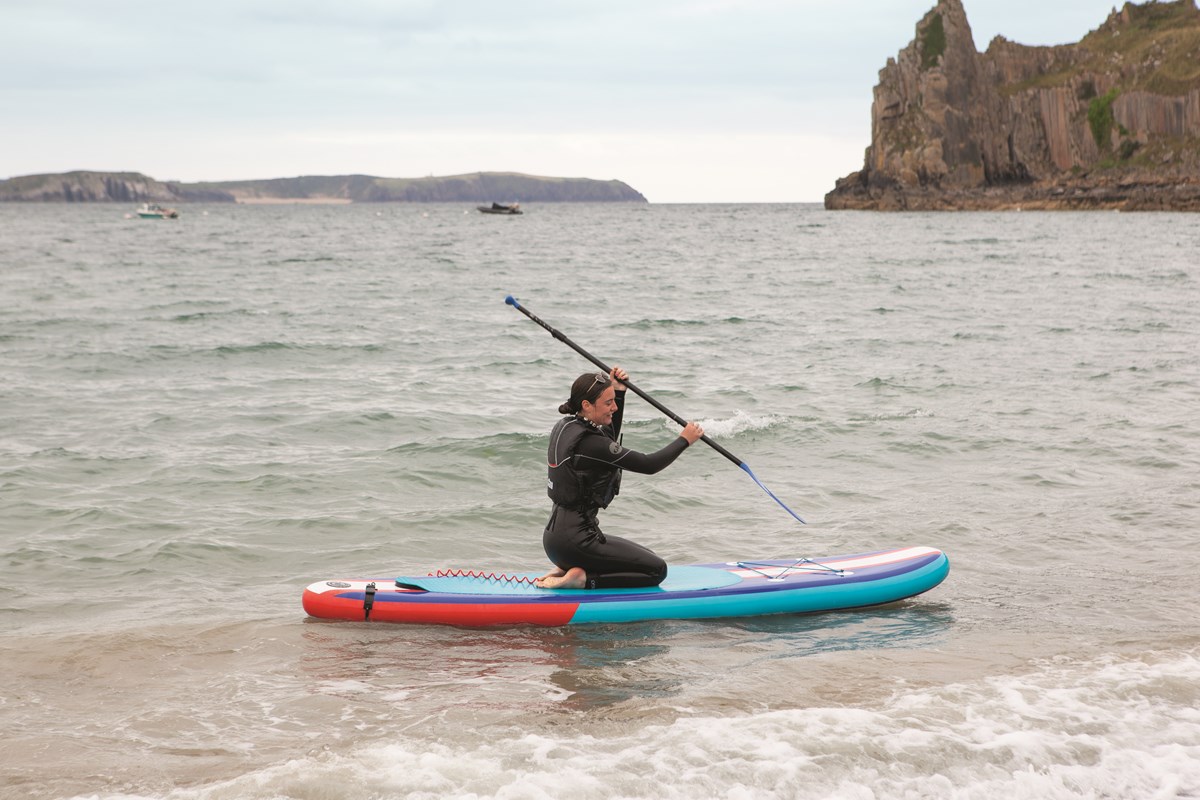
point(687, 101)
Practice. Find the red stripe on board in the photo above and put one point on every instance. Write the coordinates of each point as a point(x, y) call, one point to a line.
point(330, 606)
point(479, 613)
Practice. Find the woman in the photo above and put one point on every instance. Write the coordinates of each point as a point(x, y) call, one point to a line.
point(585, 459)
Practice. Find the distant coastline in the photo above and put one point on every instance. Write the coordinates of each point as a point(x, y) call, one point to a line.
point(294, 201)
point(478, 187)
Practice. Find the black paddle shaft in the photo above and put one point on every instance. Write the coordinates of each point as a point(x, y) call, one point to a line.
point(512, 301)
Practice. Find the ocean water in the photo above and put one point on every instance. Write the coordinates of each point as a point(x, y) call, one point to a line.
point(199, 417)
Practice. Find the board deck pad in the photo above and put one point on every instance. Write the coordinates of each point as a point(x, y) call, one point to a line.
point(679, 579)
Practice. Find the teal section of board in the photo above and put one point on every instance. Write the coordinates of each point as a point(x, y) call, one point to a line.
point(785, 600)
point(679, 579)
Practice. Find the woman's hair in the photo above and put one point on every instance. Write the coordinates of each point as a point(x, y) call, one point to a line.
point(587, 386)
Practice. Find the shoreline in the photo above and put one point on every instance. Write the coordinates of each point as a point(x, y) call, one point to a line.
point(853, 194)
point(292, 201)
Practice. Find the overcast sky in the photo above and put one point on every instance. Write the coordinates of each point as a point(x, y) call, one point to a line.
point(685, 100)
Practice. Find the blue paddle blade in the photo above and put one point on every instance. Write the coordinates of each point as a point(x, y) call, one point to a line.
point(754, 477)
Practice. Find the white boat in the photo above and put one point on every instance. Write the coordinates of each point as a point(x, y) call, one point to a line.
point(155, 211)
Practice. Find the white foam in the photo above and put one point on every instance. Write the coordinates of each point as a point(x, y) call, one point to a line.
point(912, 413)
point(344, 687)
point(1115, 728)
point(740, 422)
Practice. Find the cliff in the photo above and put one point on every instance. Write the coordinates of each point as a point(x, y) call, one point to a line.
point(1110, 122)
point(101, 187)
point(478, 187)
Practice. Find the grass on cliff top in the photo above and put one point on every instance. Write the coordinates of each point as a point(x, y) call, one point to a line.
point(1161, 40)
point(1158, 42)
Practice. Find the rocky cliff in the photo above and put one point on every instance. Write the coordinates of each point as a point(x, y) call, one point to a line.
point(478, 187)
point(1110, 122)
point(101, 187)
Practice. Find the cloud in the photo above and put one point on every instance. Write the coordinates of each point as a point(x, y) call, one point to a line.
point(666, 89)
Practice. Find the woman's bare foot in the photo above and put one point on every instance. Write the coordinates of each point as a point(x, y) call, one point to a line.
point(557, 572)
point(574, 578)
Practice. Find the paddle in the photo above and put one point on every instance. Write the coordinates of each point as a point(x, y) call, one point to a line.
point(512, 301)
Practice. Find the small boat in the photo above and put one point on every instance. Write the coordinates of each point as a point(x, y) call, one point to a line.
point(498, 208)
point(700, 591)
point(155, 211)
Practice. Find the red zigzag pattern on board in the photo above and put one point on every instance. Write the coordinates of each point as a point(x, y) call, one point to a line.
point(485, 576)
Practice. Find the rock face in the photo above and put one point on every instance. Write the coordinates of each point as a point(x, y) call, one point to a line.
point(1110, 122)
point(102, 187)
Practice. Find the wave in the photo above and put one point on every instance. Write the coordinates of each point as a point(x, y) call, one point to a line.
point(884, 383)
point(208, 316)
point(741, 422)
point(171, 351)
point(1113, 727)
point(669, 322)
point(491, 444)
point(912, 413)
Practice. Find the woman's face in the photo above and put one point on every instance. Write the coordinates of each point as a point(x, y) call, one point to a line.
point(601, 412)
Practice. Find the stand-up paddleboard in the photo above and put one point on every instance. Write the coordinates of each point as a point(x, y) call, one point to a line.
point(733, 589)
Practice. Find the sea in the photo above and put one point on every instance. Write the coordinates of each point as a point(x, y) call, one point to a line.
point(199, 417)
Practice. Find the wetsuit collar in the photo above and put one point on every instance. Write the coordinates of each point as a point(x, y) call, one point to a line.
point(588, 422)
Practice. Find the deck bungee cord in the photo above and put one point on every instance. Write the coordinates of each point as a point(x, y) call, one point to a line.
point(512, 301)
point(774, 572)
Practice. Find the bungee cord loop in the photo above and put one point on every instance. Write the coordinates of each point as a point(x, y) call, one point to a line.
point(778, 573)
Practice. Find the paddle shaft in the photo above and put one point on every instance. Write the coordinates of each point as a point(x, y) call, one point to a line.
point(557, 334)
point(512, 301)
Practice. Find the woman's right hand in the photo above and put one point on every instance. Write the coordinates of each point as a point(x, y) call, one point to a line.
point(692, 432)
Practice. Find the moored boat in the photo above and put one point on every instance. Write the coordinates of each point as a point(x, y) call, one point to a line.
point(499, 208)
point(155, 211)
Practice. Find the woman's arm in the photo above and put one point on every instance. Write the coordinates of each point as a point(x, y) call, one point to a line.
point(618, 375)
point(595, 448)
point(611, 452)
point(618, 415)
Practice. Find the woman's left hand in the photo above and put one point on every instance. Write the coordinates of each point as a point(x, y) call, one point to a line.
point(619, 376)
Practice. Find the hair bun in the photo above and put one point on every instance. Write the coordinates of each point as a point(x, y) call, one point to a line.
point(565, 408)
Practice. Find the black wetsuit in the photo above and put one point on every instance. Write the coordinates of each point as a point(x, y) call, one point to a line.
point(585, 462)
